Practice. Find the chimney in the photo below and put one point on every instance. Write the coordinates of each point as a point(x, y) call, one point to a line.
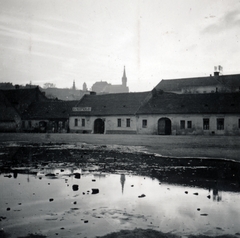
point(216, 73)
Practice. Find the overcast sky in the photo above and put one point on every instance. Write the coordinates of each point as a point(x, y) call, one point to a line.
point(58, 41)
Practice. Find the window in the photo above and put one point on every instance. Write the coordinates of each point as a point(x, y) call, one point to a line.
point(189, 124)
point(182, 124)
point(76, 122)
point(83, 122)
point(128, 122)
point(29, 124)
point(220, 123)
point(119, 122)
point(205, 123)
point(23, 124)
point(144, 123)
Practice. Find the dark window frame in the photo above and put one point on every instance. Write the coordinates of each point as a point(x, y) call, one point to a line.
point(220, 124)
point(206, 123)
point(182, 124)
point(144, 123)
point(119, 122)
point(75, 122)
point(128, 122)
point(189, 124)
point(83, 122)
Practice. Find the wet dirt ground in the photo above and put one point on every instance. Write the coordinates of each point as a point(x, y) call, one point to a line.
point(84, 190)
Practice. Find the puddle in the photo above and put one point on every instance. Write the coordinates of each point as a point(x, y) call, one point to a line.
point(84, 190)
point(72, 202)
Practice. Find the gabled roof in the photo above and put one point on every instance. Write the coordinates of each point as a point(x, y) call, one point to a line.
point(111, 104)
point(49, 110)
point(170, 103)
point(21, 98)
point(171, 85)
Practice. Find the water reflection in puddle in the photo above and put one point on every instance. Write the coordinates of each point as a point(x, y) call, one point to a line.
point(72, 202)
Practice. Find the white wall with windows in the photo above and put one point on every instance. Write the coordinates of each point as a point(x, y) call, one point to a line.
point(112, 124)
point(192, 124)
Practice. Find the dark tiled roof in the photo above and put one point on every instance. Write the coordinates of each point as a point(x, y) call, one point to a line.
point(21, 98)
point(24, 95)
point(232, 81)
point(112, 104)
point(169, 103)
point(49, 110)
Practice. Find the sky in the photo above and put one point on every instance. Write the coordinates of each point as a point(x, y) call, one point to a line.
point(61, 41)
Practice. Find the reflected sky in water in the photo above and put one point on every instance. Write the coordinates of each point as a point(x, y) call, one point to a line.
point(59, 201)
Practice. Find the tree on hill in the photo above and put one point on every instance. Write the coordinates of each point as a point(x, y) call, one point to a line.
point(49, 85)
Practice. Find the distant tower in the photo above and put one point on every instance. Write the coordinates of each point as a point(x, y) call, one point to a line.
point(124, 78)
point(84, 87)
point(74, 87)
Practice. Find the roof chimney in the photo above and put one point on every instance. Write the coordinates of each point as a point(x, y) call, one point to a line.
point(216, 73)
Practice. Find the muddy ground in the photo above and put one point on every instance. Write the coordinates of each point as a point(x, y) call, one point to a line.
point(29, 157)
point(227, 147)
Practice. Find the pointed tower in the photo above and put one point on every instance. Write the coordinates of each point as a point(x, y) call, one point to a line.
point(84, 86)
point(74, 87)
point(124, 78)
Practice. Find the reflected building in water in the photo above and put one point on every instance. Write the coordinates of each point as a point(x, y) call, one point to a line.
point(217, 195)
point(122, 180)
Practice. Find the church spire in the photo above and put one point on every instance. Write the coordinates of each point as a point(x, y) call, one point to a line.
point(124, 78)
point(74, 86)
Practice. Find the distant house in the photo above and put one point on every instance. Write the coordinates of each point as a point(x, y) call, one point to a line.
point(107, 113)
point(104, 87)
point(51, 116)
point(181, 114)
point(10, 119)
point(210, 84)
point(13, 103)
point(22, 98)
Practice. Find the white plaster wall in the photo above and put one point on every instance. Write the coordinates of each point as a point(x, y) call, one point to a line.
point(230, 124)
point(111, 124)
point(88, 124)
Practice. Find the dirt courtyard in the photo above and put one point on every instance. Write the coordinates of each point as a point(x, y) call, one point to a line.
point(227, 147)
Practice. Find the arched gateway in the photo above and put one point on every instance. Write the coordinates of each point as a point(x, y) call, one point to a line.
point(164, 126)
point(99, 126)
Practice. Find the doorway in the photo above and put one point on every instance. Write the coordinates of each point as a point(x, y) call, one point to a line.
point(99, 126)
point(164, 126)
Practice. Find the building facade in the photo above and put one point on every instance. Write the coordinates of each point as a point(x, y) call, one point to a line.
point(14, 103)
point(104, 87)
point(210, 84)
point(158, 113)
point(107, 114)
point(190, 114)
point(52, 116)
